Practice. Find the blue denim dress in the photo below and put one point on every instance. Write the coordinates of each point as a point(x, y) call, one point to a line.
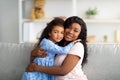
point(52, 50)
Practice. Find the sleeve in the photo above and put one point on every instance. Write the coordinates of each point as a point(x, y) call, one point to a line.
point(77, 49)
point(54, 48)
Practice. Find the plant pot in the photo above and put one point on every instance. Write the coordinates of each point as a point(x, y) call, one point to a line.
point(90, 16)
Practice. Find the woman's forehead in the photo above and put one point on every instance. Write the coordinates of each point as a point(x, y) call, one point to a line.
point(75, 25)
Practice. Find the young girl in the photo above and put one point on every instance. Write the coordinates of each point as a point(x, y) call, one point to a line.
point(52, 34)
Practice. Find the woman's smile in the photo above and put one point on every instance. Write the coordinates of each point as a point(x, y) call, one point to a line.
point(68, 35)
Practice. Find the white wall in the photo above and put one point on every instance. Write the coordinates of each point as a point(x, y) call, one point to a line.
point(106, 10)
point(99, 30)
point(9, 29)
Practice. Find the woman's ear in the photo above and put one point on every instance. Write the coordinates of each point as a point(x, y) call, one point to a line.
point(49, 34)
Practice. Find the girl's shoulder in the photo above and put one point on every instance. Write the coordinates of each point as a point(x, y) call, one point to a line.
point(46, 41)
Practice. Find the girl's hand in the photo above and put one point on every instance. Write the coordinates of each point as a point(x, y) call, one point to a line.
point(31, 67)
point(78, 40)
point(38, 52)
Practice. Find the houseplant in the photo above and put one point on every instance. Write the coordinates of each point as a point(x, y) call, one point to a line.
point(91, 12)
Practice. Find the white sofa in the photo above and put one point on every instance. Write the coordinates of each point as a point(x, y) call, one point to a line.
point(103, 61)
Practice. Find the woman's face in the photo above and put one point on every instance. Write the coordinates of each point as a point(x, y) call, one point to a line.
point(72, 32)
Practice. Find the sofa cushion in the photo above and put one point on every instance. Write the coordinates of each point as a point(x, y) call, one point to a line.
point(13, 60)
point(103, 62)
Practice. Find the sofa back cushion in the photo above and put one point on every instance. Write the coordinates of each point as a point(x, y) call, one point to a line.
point(103, 62)
point(13, 60)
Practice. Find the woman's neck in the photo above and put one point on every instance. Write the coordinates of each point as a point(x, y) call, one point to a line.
point(66, 42)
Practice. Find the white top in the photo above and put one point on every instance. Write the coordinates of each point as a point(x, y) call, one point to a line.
point(76, 73)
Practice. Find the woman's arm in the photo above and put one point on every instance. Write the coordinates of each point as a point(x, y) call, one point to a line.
point(68, 64)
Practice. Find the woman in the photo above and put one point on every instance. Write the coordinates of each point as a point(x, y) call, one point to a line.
point(68, 67)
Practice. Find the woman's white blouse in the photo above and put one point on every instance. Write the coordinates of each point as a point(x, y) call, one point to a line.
point(77, 73)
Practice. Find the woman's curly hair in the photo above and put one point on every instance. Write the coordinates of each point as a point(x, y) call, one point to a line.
point(83, 34)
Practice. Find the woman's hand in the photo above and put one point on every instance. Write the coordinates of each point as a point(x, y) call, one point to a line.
point(31, 67)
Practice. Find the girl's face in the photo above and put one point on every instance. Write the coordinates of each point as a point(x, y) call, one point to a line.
point(72, 32)
point(57, 33)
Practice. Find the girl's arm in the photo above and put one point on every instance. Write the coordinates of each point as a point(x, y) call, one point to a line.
point(68, 64)
point(54, 48)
